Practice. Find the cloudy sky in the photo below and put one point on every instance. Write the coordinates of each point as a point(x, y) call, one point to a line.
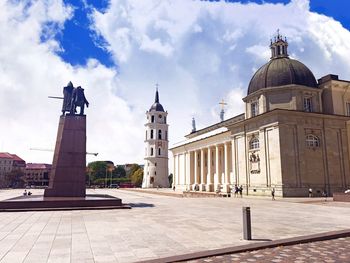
point(198, 51)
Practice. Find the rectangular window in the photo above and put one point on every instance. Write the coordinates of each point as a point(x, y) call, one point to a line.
point(307, 105)
point(348, 109)
point(254, 109)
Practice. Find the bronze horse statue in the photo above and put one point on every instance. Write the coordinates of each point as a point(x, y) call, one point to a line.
point(78, 100)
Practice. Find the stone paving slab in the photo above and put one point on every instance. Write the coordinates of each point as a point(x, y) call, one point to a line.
point(216, 254)
point(330, 251)
point(157, 226)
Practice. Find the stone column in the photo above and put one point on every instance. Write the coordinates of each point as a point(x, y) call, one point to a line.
point(234, 179)
point(202, 182)
point(210, 186)
point(195, 170)
point(226, 185)
point(217, 176)
point(187, 171)
point(175, 171)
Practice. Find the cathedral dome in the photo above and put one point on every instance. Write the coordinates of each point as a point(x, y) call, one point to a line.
point(281, 70)
point(156, 107)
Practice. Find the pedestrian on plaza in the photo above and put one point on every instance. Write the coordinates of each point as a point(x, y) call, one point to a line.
point(174, 188)
point(241, 191)
point(25, 192)
point(324, 194)
point(236, 190)
point(310, 192)
point(273, 193)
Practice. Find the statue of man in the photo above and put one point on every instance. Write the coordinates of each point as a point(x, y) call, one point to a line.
point(67, 97)
point(78, 100)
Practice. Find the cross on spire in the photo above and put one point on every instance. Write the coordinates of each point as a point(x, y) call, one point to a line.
point(222, 103)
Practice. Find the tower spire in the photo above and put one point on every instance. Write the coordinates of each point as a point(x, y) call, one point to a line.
point(156, 100)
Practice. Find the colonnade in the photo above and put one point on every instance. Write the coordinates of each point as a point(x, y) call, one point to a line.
point(205, 169)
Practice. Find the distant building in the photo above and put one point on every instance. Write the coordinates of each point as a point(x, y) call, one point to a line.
point(156, 153)
point(10, 162)
point(37, 174)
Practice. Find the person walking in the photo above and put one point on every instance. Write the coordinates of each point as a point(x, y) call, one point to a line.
point(273, 193)
point(310, 192)
point(324, 194)
point(236, 190)
point(241, 191)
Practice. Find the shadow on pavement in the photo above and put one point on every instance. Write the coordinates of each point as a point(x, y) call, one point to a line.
point(261, 239)
point(142, 205)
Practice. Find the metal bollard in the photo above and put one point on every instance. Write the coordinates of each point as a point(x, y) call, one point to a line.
point(247, 228)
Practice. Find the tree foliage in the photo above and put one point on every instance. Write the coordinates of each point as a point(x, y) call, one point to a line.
point(137, 176)
point(119, 172)
point(104, 172)
point(14, 179)
point(132, 170)
point(97, 170)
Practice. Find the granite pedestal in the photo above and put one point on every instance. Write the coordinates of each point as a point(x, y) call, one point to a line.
point(67, 180)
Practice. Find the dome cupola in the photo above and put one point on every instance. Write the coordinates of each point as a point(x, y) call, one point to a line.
point(281, 70)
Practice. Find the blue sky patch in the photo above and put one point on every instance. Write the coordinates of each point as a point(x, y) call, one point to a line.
point(78, 41)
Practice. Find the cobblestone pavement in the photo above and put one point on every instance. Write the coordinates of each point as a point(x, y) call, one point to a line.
point(335, 250)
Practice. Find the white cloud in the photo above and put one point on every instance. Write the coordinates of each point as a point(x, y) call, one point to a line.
point(213, 49)
point(198, 51)
point(30, 71)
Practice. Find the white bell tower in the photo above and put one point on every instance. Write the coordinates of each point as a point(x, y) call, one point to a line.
point(155, 172)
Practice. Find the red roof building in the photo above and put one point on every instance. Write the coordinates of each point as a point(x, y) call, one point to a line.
point(10, 162)
point(37, 174)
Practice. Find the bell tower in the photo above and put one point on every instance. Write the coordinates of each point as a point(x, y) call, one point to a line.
point(155, 172)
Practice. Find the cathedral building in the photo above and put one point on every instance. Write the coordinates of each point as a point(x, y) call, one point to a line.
point(155, 172)
point(294, 135)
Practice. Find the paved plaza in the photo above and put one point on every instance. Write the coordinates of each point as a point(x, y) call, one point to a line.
point(329, 251)
point(157, 226)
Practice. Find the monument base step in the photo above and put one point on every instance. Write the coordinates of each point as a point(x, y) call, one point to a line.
point(41, 203)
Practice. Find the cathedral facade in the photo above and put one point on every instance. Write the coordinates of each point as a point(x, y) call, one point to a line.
point(293, 136)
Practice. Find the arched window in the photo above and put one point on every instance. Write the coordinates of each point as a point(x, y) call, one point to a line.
point(312, 141)
point(151, 151)
point(152, 118)
point(164, 119)
point(159, 151)
point(151, 134)
point(254, 143)
point(254, 108)
point(159, 134)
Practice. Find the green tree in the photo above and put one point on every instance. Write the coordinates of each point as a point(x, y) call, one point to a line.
point(14, 179)
point(137, 176)
point(133, 169)
point(119, 172)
